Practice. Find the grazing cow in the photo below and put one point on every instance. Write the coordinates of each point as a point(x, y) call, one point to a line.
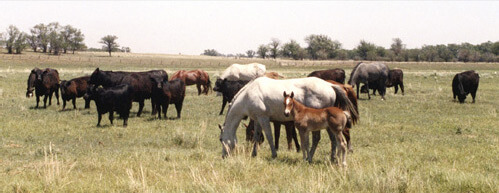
point(197, 77)
point(336, 74)
point(228, 89)
point(45, 83)
point(74, 88)
point(395, 79)
point(369, 73)
point(244, 71)
point(169, 92)
point(465, 83)
point(306, 119)
point(274, 75)
point(290, 134)
point(261, 100)
point(140, 82)
point(108, 100)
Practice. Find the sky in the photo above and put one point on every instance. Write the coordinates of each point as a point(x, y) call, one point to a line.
point(231, 27)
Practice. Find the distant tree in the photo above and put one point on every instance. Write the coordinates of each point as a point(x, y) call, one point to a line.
point(14, 40)
point(293, 50)
point(397, 47)
point(33, 42)
point(429, 53)
point(211, 52)
point(56, 39)
point(262, 51)
point(444, 53)
point(250, 53)
point(41, 32)
point(366, 50)
point(110, 43)
point(125, 49)
point(274, 47)
point(76, 41)
point(322, 47)
point(495, 48)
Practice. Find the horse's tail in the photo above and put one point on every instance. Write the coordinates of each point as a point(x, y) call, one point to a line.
point(345, 104)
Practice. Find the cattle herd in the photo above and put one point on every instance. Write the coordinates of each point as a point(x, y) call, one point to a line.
point(322, 100)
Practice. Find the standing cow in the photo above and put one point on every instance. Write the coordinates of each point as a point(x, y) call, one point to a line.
point(169, 92)
point(465, 83)
point(108, 100)
point(74, 88)
point(336, 74)
point(395, 79)
point(45, 83)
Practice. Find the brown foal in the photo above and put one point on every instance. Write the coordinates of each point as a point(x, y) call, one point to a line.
point(309, 119)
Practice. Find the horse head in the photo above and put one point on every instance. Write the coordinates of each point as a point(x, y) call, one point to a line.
point(288, 103)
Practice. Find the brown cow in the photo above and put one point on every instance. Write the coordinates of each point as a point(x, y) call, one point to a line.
point(46, 83)
point(336, 74)
point(74, 88)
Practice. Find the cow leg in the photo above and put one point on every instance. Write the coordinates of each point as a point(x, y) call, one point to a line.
point(224, 102)
point(87, 103)
point(141, 106)
point(368, 95)
point(153, 105)
point(158, 108)
point(57, 95)
point(111, 116)
point(45, 101)
point(277, 134)
point(198, 86)
point(178, 106)
point(316, 137)
point(63, 104)
point(402, 87)
point(165, 108)
point(50, 98)
point(74, 102)
point(99, 118)
point(37, 100)
point(473, 94)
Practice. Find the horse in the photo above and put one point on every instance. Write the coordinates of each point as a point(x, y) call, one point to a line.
point(45, 83)
point(336, 74)
point(197, 77)
point(368, 73)
point(309, 119)
point(274, 75)
point(464, 83)
point(261, 100)
point(244, 72)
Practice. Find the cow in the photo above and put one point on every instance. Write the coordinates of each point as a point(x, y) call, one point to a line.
point(465, 83)
point(139, 81)
point(395, 79)
point(336, 74)
point(228, 88)
point(108, 100)
point(169, 92)
point(74, 88)
point(45, 83)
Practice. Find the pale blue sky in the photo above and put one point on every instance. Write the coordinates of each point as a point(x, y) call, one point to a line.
point(234, 27)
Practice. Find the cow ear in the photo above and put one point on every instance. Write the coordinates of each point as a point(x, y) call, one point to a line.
point(284, 94)
point(97, 70)
point(292, 94)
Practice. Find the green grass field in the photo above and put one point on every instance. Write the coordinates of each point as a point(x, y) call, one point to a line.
point(420, 142)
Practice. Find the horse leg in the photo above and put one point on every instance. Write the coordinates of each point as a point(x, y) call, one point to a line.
point(368, 95)
point(277, 134)
point(265, 124)
point(358, 93)
point(340, 139)
point(291, 126)
point(316, 137)
point(224, 102)
point(304, 148)
point(333, 144)
point(141, 106)
point(257, 131)
point(346, 133)
point(198, 86)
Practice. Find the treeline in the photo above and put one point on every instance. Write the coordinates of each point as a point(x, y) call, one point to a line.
point(51, 38)
point(322, 47)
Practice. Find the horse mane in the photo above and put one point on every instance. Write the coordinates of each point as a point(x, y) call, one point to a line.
point(353, 71)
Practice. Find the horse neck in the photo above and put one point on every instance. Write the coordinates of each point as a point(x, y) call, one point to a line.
point(232, 120)
point(298, 108)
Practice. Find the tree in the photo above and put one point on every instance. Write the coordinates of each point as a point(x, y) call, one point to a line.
point(56, 38)
point(262, 51)
point(444, 53)
point(293, 50)
point(33, 42)
point(20, 43)
point(75, 40)
point(274, 45)
point(366, 50)
point(42, 34)
point(14, 40)
point(322, 47)
point(250, 53)
point(495, 48)
point(211, 52)
point(110, 43)
point(397, 47)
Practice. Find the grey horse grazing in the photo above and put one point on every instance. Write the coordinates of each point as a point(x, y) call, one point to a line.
point(370, 72)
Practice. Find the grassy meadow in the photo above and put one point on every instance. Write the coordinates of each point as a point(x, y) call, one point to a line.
point(420, 142)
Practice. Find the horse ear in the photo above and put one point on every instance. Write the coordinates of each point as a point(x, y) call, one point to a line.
point(284, 94)
point(292, 94)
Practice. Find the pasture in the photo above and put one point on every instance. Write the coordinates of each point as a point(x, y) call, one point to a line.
point(420, 142)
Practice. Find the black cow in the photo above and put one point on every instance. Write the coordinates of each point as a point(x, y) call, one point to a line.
point(395, 79)
point(74, 88)
point(45, 83)
point(107, 100)
point(140, 82)
point(168, 92)
point(465, 83)
point(228, 89)
point(336, 74)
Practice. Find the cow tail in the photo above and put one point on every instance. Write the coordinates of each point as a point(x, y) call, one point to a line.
point(345, 104)
point(209, 85)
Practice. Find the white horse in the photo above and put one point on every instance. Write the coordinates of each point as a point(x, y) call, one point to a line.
point(243, 72)
point(262, 101)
